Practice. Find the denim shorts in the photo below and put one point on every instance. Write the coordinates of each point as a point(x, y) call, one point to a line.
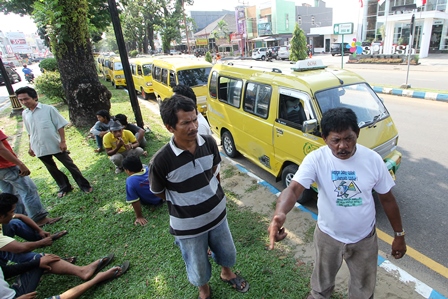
point(194, 252)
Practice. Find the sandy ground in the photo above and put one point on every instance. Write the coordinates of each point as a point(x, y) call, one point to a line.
point(300, 228)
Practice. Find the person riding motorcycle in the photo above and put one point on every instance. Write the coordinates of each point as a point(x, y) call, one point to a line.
point(29, 76)
point(269, 55)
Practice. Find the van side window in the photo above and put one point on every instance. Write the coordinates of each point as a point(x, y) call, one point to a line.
point(213, 86)
point(172, 79)
point(230, 91)
point(157, 73)
point(139, 70)
point(257, 99)
point(165, 76)
point(292, 112)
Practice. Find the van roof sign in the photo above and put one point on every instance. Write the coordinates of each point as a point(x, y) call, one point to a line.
point(308, 64)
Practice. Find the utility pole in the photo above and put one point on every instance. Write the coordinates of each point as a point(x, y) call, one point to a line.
point(16, 106)
point(411, 41)
point(125, 62)
point(186, 26)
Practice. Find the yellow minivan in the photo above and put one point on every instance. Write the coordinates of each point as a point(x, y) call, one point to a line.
point(141, 69)
point(116, 73)
point(167, 72)
point(272, 115)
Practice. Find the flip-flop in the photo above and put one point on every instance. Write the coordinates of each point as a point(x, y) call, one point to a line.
point(58, 235)
point(237, 282)
point(62, 193)
point(50, 221)
point(104, 261)
point(119, 272)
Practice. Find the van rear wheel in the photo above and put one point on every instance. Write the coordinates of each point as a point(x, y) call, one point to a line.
point(287, 175)
point(144, 94)
point(229, 145)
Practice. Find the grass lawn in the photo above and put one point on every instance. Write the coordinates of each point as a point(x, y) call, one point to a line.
point(101, 223)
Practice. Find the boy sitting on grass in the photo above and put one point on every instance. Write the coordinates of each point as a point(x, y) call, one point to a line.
point(137, 188)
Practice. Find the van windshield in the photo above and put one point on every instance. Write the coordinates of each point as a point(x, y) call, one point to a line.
point(194, 77)
point(118, 66)
point(360, 98)
point(147, 69)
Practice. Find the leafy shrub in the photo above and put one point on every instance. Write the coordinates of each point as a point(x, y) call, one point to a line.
point(49, 64)
point(133, 53)
point(50, 85)
point(208, 57)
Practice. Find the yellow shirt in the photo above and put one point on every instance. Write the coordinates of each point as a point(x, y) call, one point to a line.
point(110, 141)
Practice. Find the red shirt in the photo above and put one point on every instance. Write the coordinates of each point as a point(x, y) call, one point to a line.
point(3, 162)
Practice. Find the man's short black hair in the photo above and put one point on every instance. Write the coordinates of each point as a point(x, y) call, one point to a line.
point(31, 92)
point(7, 200)
point(123, 119)
point(103, 113)
point(132, 163)
point(338, 120)
point(185, 91)
point(170, 106)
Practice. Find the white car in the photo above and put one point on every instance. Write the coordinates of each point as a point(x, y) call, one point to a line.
point(259, 53)
point(283, 53)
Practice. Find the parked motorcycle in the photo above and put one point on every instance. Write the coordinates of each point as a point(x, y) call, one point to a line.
point(29, 77)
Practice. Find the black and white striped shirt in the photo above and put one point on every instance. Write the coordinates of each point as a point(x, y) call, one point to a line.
point(196, 201)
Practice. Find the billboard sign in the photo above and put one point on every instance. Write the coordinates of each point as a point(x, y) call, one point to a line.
point(18, 42)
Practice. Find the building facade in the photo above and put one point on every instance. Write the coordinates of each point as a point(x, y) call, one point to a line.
point(388, 25)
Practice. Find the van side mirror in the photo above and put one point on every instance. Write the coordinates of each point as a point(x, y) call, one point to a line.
point(139, 73)
point(309, 126)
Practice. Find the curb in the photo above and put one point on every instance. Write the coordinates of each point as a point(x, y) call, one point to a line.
point(421, 288)
point(441, 97)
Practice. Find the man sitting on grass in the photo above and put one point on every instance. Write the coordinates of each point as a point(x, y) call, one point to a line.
point(138, 132)
point(137, 188)
point(119, 144)
point(30, 274)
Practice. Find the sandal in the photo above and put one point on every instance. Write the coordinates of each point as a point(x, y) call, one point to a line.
point(119, 272)
point(58, 235)
point(63, 193)
point(237, 284)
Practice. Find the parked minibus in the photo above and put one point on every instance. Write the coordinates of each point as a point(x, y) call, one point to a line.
point(167, 72)
point(141, 69)
point(272, 115)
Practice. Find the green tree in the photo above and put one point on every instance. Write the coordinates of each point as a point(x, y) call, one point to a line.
point(67, 25)
point(222, 31)
point(298, 50)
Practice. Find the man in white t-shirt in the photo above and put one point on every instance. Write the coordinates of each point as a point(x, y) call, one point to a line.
point(346, 173)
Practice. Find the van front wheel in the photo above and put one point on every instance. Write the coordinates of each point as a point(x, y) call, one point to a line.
point(229, 145)
point(287, 175)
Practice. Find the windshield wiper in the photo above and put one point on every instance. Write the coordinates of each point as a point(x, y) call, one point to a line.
point(372, 124)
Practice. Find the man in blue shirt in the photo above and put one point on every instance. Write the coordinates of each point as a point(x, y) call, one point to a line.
point(137, 187)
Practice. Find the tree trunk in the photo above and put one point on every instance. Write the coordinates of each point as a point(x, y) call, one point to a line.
point(150, 36)
point(84, 92)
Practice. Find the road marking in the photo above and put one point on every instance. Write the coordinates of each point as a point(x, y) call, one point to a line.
point(428, 262)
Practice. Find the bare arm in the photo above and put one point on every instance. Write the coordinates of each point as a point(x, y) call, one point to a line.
point(392, 211)
point(30, 222)
point(62, 144)
point(21, 247)
point(141, 134)
point(138, 214)
point(7, 155)
point(285, 203)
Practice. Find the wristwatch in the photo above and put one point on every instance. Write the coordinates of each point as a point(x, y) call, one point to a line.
point(400, 234)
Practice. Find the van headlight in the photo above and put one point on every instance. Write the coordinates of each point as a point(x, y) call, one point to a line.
point(119, 77)
point(148, 83)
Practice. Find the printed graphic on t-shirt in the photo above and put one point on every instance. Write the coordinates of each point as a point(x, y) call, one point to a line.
point(346, 188)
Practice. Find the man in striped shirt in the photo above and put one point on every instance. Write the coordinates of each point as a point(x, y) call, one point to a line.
point(182, 173)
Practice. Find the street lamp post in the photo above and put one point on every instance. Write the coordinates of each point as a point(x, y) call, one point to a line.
point(16, 107)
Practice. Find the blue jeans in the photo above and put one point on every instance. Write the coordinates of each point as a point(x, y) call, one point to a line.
point(19, 228)
point(29, 200)
point(28, 281)
point(194, 253)
point(99, 141)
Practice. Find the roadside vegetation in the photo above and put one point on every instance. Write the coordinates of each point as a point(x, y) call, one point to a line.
point(101, 223)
